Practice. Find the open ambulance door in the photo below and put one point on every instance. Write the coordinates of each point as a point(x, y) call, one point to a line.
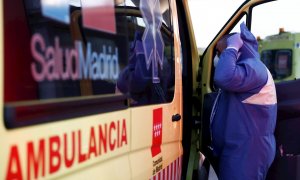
point(206, 90)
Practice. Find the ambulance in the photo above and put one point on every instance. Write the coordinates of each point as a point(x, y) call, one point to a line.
point(106, 89)
point(280, 53)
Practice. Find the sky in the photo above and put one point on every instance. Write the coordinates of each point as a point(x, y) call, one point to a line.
point(208, 17)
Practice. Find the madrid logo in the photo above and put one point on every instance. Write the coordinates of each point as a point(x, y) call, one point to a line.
point(156, 131)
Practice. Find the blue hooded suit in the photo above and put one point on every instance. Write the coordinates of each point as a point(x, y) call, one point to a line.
point(244, 114)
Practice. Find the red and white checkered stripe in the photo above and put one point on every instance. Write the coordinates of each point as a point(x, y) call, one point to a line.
point(171, 172)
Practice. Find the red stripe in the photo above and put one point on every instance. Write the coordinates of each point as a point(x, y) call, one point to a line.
point(179, 169)
point(159, 175)
point(168, 172)
point(172, 171)
point(175, 170)
point(178, 165)
point(181, 165)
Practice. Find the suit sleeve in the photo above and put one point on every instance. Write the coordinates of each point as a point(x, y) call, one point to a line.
point(239, 77)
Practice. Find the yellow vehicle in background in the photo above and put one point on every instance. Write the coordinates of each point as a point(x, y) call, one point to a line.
point(281, 54)
point(106, 89)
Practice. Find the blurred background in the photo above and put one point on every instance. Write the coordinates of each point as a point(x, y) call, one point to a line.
point(276, 26)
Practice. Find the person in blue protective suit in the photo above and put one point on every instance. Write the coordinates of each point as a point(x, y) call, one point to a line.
point(244, 114)
point(135, 80)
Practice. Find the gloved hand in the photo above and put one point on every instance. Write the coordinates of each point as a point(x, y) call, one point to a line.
point(235, 41)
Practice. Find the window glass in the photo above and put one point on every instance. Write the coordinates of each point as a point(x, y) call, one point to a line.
point(208, 17)
point(59, 49)
point(148, 77)
point(283, 64)
point(278, 34)
point(65, 51)
point(266, 57)
point(237, 26)
point(66, 59)
point(279, 62)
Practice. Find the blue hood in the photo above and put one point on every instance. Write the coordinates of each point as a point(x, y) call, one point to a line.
point(250, 46)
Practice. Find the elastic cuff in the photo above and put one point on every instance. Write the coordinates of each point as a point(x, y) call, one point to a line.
point(231, 47)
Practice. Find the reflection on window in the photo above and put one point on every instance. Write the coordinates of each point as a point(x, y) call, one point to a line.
point(145, 62)
point(78, 56)
point(72, 60)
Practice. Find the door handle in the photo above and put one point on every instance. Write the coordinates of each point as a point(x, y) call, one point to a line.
point(176, 117)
